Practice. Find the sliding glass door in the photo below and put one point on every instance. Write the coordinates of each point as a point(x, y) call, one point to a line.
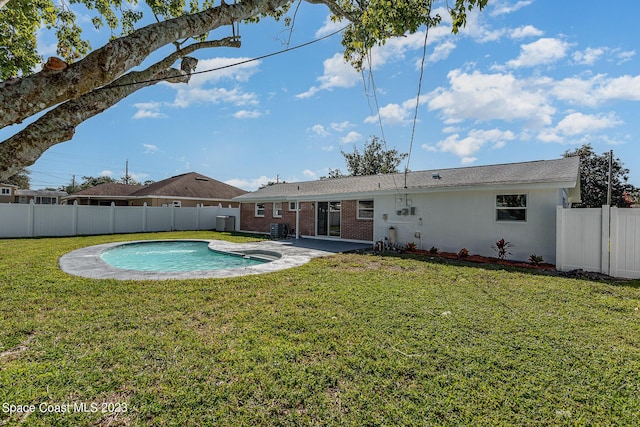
point(328, 216)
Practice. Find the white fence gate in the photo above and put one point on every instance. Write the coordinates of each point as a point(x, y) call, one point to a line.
point(606, 240)
point(30, 220)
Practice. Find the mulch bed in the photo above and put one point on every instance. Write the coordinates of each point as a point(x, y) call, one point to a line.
point(486, 260)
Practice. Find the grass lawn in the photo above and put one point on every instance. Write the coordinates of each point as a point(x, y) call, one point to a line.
point(344, 340)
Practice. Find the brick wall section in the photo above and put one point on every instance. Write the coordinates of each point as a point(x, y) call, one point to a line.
point(307, 219)
point(249, 222)
point(350, 226)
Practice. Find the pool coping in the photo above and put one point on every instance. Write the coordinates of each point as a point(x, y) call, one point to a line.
point(86, 262)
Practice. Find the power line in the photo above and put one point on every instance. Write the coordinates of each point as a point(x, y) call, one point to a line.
point(235, 64)
point(415, 114)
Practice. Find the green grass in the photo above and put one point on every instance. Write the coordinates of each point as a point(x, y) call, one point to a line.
point(344, 340)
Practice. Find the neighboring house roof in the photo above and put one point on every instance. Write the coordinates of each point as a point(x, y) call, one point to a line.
point(2, 184)
point(560, 173)
point(186, 186)
point(107, 190)
point(46, 193)
point(190, 186)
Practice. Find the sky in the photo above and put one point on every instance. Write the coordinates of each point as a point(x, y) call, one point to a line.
point(525, 80)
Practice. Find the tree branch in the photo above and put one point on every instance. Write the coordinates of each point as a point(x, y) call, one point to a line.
point(24, 97)
point(59, 124)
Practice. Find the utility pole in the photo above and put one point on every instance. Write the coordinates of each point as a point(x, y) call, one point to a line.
point(609, 184)
point(126, 172)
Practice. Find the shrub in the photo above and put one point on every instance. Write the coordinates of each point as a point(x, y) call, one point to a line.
point(535, 259)
point(463, 253)
point(502, 248)
point(434, 250)
point(411, 246)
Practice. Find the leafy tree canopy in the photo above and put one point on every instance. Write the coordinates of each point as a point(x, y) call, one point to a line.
point(86, 81)
point(373, 160)
point(594, 178)
point(21, 179)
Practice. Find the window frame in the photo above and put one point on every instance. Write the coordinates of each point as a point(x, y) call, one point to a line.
point(275, 210)
point(295, 206)
point(524, 209)
point(5, 191)
point(360, 209)
point(257, 209)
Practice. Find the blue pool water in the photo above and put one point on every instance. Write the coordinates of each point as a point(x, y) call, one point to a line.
point(173, 256)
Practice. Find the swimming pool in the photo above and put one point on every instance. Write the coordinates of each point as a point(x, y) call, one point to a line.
point(173, 256)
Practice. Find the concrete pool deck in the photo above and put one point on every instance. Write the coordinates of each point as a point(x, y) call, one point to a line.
point(86, 262)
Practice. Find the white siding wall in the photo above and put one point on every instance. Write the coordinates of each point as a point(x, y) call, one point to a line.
point(451, 221)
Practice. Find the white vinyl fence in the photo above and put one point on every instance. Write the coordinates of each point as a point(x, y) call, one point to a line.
point(30, 220)
point(606, 240)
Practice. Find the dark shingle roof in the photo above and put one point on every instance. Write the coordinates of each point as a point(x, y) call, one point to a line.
point(553, 173)
point(191, 185)
point(112, 189)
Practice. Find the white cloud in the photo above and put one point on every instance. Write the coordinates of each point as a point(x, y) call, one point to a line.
point(337, 73)
point(106, 172)
point(589, 56)
point(196, 95)
point(250, 184)
point(625, 56)
point(442, 51)
point(148, 110)
point(504, 7)
point(150, 148)
point(342, 126)
point(350, 138)
point(391, 114)
point(597, 89)
point(319, 130)
point(246, 114)
point(486, 97)
point(583, 126)
point(542, 51)
point(477, 138)
point(525, 31)
point(329, 27)
point(578, 123)
point(309, 174)
point(234, 69)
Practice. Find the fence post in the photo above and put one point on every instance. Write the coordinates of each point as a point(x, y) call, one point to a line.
point(31, 218)
point(559, 237)
point(74, 218)
point(112, 218)
point(606, 244)
point(613, 242)
point(144, 217)
point(173, 217)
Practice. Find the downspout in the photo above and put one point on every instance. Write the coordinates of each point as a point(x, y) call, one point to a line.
point(297, 219)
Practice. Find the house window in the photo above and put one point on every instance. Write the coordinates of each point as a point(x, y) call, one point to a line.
point(365, 209)
point(511, 207)
point(277, 209)
point(44, 200)
point(177, 203)
point(259, 209)
point(5, 191)
point(292, 206)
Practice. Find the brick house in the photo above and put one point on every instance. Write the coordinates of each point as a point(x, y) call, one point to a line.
point(469, 207)
point(185, 190)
